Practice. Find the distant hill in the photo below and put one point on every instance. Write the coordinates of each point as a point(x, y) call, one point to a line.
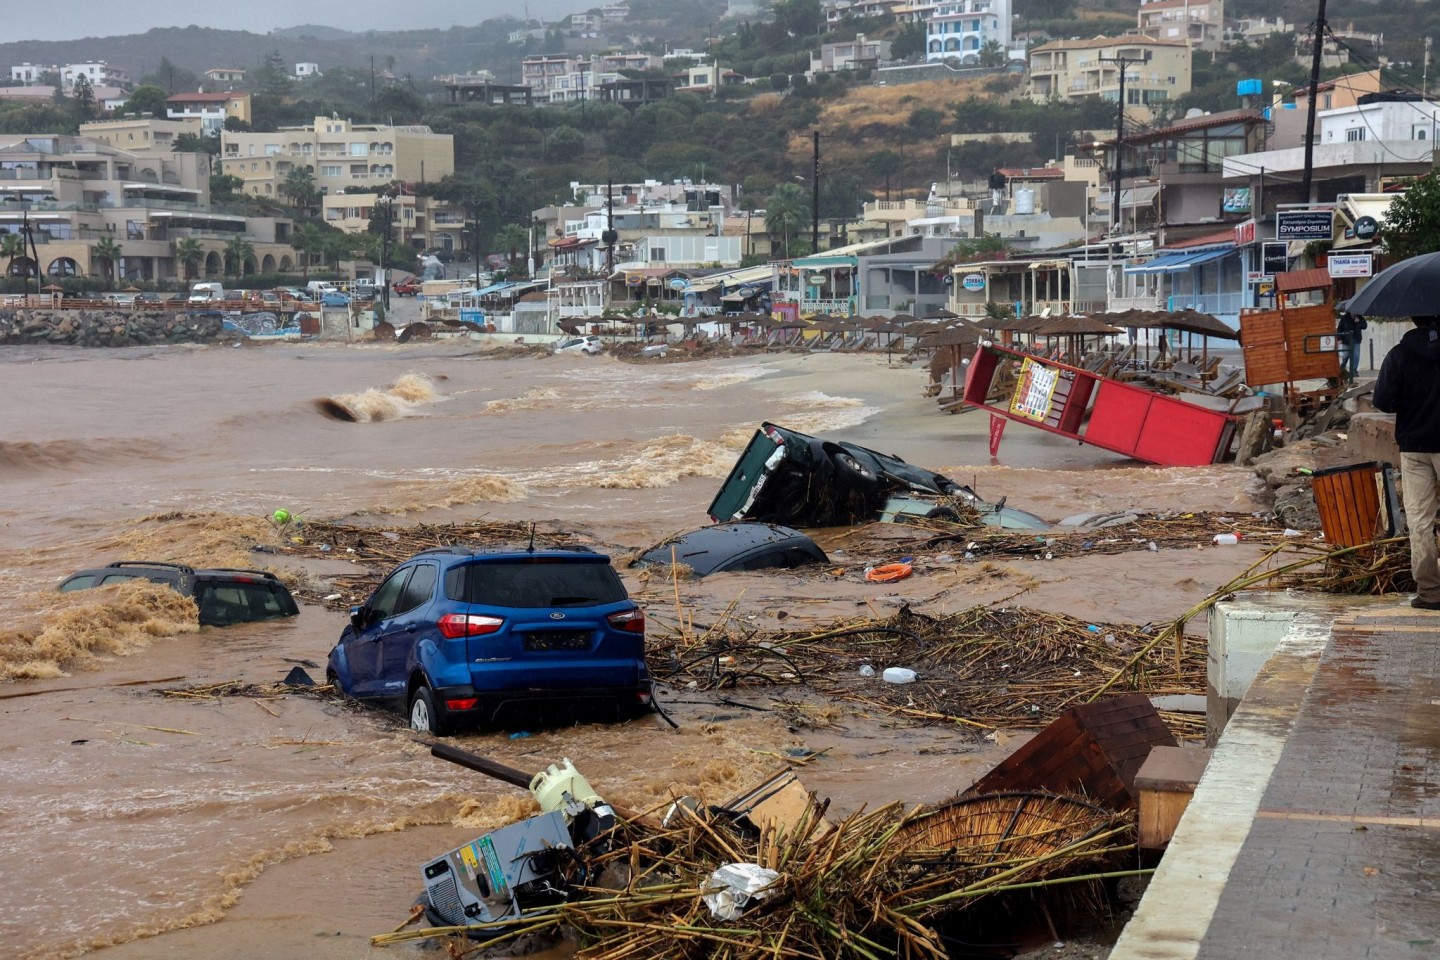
point(316, 30)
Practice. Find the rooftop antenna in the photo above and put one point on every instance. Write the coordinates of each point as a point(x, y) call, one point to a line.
point(531, 547)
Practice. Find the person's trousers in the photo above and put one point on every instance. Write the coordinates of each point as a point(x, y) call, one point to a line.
point(1418, 476)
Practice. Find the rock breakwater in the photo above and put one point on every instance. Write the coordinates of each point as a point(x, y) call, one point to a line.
point(105, 328)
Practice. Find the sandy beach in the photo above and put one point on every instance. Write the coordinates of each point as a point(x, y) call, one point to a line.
point(240, 827)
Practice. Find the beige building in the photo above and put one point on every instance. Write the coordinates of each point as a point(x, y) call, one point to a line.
point(416, 222)
point(1076, 69)
point(210, 109)
point(338, 154)
point(1200, 23)
point(140, 134)
point(75, 192)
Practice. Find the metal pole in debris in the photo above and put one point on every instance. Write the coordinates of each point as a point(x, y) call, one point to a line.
point(1315, 56)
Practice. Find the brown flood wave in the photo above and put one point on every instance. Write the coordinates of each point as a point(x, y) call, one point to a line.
point(26, 456)
point(400, 399)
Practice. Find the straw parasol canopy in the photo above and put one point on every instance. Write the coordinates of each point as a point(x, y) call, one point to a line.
point(1074, 326)
point(53, 288)
point(1186, 321)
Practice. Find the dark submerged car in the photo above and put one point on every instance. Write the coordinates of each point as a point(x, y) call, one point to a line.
point(223, 596)
point(735, 546)
point(784, 476)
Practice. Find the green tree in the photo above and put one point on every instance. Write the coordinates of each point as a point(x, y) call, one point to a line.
point(308, 240)
point(12, 246)
point(300, 189)
point(336, 246)
point(226, 188)
point(908, 42)
point(992, 54)
point(146, 98)
point(190, 254)
point(237, 251)
point(785, 212)
point(563, 143)
point(511, 238)
point(84, 96)
point(925, 122)
point(1412, 223)
point(196, 143)
point(108, 252)
point(272, 79)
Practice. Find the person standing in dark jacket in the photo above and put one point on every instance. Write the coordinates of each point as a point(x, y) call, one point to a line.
point(1409, 387)
point(1350, 332)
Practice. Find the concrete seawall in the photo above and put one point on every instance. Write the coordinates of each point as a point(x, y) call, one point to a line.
point(101, 328)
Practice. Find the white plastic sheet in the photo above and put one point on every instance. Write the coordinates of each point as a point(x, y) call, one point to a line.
point(740, 885)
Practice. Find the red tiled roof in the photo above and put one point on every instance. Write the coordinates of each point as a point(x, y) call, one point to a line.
point(1033, 173)
point(199, 98)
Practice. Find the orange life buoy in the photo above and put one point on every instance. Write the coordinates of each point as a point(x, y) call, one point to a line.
point(889, 573)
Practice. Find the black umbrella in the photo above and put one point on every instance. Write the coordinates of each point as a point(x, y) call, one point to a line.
point(1410, 288)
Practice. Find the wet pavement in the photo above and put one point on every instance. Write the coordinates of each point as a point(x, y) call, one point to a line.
point(1316, 829)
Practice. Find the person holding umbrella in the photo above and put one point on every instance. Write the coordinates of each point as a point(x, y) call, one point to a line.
point(1350, 331)
point(1409, 387)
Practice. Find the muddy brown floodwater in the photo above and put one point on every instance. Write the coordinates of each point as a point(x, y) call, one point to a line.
point(148, 826)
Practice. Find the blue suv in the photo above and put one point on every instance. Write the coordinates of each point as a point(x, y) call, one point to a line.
point(460, 633)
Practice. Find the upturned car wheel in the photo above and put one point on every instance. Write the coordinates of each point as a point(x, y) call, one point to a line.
point(424, 717)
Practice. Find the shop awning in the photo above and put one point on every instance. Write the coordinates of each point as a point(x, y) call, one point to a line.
point(1176, 261)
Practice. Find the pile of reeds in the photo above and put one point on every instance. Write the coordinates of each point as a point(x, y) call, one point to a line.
point(983, 668)
point(867, 886)
point(1373, 569)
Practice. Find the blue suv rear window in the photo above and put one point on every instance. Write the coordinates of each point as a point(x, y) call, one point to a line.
point(541, 582)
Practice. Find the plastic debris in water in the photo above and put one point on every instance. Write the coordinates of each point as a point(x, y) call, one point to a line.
point(867, 671)
point(898, 675)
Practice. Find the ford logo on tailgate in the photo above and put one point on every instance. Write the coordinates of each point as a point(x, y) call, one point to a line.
point(557, 615)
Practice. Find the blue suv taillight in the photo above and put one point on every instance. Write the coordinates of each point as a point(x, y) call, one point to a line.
point(631, 621)
point(455, 625)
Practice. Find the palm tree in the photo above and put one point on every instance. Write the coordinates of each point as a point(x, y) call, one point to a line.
point(512, 238)
point(992, 54)
point(307, 241)
point(108, 252)
point(336, 246)
point(785, 213)
point(12, 245)
point(189, 252)
point(300, 189)
point(237, 251)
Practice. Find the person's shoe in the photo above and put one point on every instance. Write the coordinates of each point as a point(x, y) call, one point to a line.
point(1419, 604)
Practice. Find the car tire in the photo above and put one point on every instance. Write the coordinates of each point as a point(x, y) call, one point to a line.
point(949, 514)
point(424, 716)
point(853, 470)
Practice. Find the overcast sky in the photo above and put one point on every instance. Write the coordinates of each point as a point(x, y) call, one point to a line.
point(101, 18)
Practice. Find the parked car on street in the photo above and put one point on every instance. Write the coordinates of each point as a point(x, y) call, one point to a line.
point(408, 287)
point(334, 298)
point(223, 596)
point(457, 634)
point(148, 299)
point(589, 343)
point(784, 476)
point(735, 546)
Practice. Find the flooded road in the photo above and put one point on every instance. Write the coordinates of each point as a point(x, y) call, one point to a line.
point(298, 824)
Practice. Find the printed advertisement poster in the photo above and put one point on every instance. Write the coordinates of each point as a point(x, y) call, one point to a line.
point(1034, 391)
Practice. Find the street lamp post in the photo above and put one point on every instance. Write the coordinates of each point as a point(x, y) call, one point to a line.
point(385, 254)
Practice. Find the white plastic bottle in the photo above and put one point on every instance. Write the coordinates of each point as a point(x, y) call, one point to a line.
point(898, 675)
point(1227, 539)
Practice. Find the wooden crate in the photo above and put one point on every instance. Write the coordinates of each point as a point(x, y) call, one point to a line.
point(1094, 750)
point(1165, 782)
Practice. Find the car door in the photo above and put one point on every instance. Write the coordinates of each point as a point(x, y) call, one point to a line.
point(406, 627)
point(363, 651)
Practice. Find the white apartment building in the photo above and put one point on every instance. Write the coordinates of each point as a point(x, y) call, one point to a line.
point(338, 154)
point(959, 29)
point(307, 69)
point(99, 73)
point(1383, 121)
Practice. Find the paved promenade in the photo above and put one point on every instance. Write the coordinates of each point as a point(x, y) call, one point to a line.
point(1315, 832)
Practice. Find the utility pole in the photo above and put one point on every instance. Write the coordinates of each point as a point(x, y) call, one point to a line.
point(1115, 172)
point(1310, 111)
point(609, 236)
point(815, 199)
point(475, 242)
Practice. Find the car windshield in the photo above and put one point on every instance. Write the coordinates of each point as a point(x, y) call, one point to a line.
point(541, 582)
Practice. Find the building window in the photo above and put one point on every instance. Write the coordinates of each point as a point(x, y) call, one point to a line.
point(657, 254)
point(1325, 102)
point(329, 170)
point(1355, 134)
point(358, 149)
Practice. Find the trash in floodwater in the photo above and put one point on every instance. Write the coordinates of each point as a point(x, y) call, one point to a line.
point(889, 573)
point(736, 887)
point(898, 675)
